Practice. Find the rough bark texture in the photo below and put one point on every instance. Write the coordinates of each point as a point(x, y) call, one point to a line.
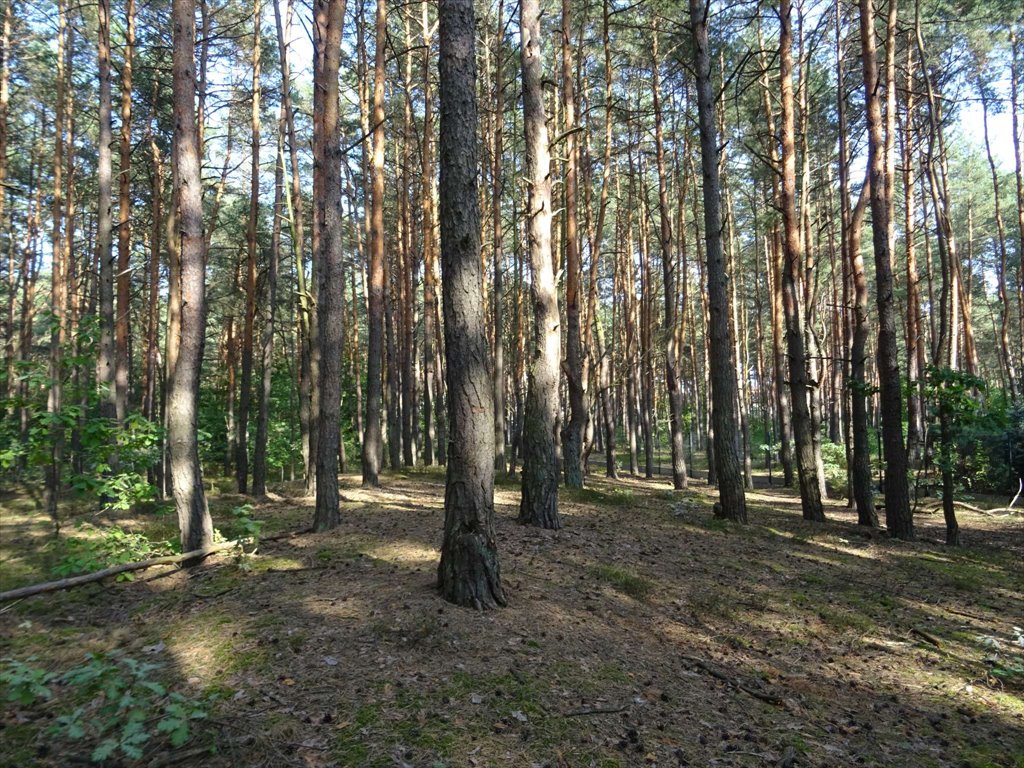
point(372, 445)
point(105, 364)
point(572, 431)
point(539, 505)
point(186, 476)
point(331, 301)
point(898, 518)
point(732, 497)
point(810, 491)
point(468, 574)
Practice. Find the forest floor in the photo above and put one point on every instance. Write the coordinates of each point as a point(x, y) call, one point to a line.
point(646, 632)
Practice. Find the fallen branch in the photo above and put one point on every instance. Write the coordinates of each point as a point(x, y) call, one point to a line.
point(936, 505)
point(595, 711)
point(925, 636)
point(765, 697)
point(88, 578)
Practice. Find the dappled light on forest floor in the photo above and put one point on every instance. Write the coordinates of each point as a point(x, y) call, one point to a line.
point(644, 632)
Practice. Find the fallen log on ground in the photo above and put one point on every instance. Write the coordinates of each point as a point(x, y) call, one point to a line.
point(114, 570)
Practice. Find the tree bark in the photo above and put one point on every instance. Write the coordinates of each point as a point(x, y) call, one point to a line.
point(810, 491)
point(330, 16)
point(187, 482)
point(668, 265)
point(105, 363)
point(372, 445)
point(898, 518)
point(121, 326)
point(469, 573)
point(732, 497)
point(572, 430)
point(539, 505)
point(252, 255)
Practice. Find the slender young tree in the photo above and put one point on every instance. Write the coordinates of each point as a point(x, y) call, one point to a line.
point(898, 518)
point(574, 426)
point(121, 325)
point(732, 496)
point(372, 439)
point(668, 265)
point(810, 491)
point(539, 504)
point(252, 243)
point(468, 573)
point(105, 363)
point(182, 399)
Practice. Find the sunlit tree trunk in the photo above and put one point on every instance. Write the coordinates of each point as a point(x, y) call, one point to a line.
point(182, 401)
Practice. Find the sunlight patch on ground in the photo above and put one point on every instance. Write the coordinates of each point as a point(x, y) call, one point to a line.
point(405, 553)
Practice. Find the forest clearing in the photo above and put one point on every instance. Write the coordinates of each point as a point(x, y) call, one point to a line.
point(646, 632)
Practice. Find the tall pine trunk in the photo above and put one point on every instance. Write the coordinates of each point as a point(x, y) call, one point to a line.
point(182, 401)
point(468, 573)
point(539, 505)
point(732, 497)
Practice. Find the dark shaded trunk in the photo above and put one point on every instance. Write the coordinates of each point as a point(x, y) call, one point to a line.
point(468, 573)
point(372, 441)
point(898, 518)
point(732, 497)
point(330, 15)
point(810, 491)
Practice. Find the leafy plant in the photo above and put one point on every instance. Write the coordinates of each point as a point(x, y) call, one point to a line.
point(114, 546)
point(24, 684)
point(124, 707)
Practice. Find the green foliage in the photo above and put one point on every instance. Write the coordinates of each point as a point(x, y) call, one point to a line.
point(833, 458)
point(244, 525)
point(624, 581)
point(23, 684)
point(985, 450)
point(112, 701)
point(113, 546)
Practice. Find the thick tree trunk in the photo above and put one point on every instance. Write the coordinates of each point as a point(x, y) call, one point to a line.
point(539, 505)
point(898, 518)
point(187, 482)
point(372, 445)
point(468, 573)
point(330, 15)
point(732, 497)
point(810, 492)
